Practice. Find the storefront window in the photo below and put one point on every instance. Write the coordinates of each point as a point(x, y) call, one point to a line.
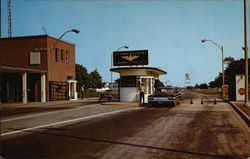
point(128, 81)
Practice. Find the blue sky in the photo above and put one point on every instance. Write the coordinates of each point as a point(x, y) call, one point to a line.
point(170, 29)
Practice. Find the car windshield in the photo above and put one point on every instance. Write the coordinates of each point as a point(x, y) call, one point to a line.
point(167, 90)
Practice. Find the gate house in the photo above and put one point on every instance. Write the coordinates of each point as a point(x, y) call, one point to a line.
point(130, 77)
point(33, 68)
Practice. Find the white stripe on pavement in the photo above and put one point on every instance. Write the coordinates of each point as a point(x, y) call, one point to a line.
point(69, 121)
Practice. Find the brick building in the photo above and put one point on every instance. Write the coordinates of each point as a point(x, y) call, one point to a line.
point(37, 69)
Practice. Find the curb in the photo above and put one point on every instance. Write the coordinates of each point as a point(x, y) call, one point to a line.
point(120, 104)
point(241, 113)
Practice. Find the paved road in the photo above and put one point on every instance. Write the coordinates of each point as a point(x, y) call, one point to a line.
point(197, 131)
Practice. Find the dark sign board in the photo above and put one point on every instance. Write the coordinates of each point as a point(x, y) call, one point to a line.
point(135, 57)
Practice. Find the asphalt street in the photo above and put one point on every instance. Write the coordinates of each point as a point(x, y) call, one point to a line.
point(197, 131)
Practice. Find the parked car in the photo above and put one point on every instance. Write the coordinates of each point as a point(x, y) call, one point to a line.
point(109, 94)
point(165, 95)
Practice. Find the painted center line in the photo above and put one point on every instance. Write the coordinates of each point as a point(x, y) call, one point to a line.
point(69, 121)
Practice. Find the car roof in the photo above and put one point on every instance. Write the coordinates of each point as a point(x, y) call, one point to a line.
point(167, 87)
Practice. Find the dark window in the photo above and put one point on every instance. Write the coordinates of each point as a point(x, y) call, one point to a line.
point(128, 81)
point(67, 56)
point(62, 55)
point(56, 54)
point(69, 77)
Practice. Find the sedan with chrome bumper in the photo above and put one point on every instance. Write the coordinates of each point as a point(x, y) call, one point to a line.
point(165, 95)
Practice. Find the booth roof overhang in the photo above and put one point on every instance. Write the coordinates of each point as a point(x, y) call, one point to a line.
point(150, 70)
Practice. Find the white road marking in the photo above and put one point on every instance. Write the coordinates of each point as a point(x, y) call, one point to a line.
point(41, 114)
point(69, 121)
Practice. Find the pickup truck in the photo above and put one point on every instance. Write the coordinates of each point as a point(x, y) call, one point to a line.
point(165, 95)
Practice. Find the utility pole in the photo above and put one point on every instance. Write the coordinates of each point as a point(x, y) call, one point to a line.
point(246, 53)
point(0, 18)
point(9, 20)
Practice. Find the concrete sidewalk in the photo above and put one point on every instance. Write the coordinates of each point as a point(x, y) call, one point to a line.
point(51, 103)
point(242, 110)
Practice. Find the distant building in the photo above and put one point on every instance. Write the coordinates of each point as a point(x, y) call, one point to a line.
point(37, 69)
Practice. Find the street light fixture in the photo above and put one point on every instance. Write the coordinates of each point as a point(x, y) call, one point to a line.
point(72, 30)
point(223, 74)
point(111, 77)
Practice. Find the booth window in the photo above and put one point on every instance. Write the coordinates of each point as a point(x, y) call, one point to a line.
point(128, 81)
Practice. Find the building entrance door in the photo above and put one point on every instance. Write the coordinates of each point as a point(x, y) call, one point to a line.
point(34, 87)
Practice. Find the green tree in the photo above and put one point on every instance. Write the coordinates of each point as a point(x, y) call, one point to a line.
point(158, 83)
point(233, 67)
point(203, 86)
point(96, 79)
point(228, 60)
point(82, 76)
point(196, 86)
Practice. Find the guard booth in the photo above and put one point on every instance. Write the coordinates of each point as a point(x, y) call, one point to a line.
point(131, 77)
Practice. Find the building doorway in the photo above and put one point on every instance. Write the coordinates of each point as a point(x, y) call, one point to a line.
point(11, 87)
point(34, 87)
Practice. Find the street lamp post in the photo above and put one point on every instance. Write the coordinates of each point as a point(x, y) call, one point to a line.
point(222, 61)
point(246, 53)
point(72, 30)
point(111, 76)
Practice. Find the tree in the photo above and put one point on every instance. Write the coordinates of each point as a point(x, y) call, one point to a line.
point(92, 80)
point(203, 86)
point(228, 60)
point(82, 76)
point(96, 79)
point(196, 86)
point(233, 67)
point(158, 83)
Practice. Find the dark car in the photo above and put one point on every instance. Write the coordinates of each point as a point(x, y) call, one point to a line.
point(165, 95)
point(109, 94)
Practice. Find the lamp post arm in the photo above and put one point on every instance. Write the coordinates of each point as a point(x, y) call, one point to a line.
point(64, 34)
point(55, 43)
point(120, 48)
point(215, 44)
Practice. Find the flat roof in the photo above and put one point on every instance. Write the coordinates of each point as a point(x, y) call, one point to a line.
point(153, 69)
point(34, 37)
point(20, 69)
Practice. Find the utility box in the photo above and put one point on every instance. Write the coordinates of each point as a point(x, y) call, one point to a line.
point(240, 87)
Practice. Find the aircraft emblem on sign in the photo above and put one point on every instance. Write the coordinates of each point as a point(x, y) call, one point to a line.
point(130, 58)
